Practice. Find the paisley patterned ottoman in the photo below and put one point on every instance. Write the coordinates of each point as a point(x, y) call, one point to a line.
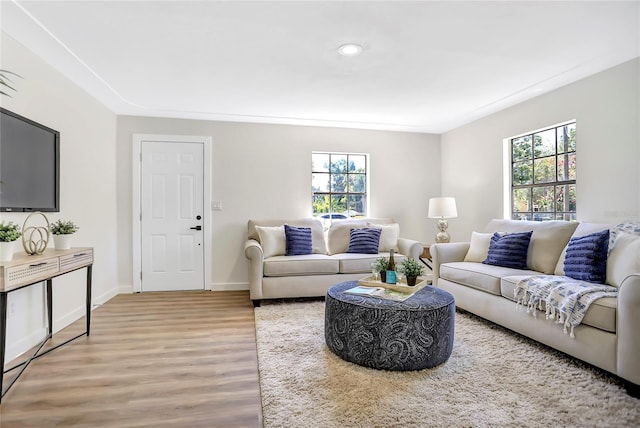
point(384, 334)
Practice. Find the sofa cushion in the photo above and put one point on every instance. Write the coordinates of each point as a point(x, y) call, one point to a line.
point(586, 257)
point(364, 241)
point(601, 314)
point(311, 264)
point(298, 240)
point(581, 230)
point(624, 258)
point(272, 240)
point(478, 275)
point(338, 234)
point(317, 231)
point(478, 247)
point(509, 250)
point(548, 240)
point(361, 263)
point(388, 237)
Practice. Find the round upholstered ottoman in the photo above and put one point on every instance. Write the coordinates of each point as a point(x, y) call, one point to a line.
point(384, 334)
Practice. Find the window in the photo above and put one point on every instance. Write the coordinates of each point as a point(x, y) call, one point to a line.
point(338, 185)
point(543, 174)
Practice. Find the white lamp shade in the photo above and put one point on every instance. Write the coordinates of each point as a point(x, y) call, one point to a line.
point(442, 208)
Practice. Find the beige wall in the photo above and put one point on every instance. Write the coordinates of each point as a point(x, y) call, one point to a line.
point(605, 107)
point(264, 171)
point(87, 187)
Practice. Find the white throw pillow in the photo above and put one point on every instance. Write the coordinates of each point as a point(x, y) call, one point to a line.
point(479, 247)
point(272, 240)
point(388, 237)
point(630, 227)
point(624, 258)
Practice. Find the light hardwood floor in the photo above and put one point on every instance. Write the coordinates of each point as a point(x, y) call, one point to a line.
point(173, 359)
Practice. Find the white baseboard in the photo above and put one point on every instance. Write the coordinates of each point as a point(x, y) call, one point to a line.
point(125, 289)
point(79, 312)
point(19, 347)
point(67, 319)
point(105, 297)
point(229, 286)
point(218, 286)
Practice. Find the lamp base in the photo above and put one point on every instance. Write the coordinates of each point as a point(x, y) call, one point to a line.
point(442, 236)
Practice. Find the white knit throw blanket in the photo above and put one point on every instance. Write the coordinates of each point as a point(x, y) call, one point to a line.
point(566, 300)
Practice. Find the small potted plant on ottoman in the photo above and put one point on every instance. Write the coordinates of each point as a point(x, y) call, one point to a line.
point(412, 270)
point(62, 231)
point(381, 265)
point(9, 233)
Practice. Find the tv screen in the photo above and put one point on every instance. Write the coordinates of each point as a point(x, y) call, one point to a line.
point(29, 165)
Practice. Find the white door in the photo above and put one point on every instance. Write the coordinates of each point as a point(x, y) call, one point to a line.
point(172, 216)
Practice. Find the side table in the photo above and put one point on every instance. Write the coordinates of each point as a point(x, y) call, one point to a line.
point(425, 257)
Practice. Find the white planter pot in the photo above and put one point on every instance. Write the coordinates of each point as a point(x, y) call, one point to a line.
point(62, 242)
point(6, 251)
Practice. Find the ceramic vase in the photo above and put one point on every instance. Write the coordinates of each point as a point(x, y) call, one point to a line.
point(6, 251)
point(62, 242)
point(411, 280)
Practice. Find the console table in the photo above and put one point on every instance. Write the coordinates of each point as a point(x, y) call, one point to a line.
point(25, 270)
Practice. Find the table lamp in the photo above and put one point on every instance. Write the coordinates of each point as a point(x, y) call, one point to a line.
point(442, 209)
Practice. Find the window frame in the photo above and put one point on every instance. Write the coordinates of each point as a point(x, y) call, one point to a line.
point(347, 192)
point(567, 183)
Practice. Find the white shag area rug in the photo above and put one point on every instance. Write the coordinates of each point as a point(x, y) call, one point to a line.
point(494, 378)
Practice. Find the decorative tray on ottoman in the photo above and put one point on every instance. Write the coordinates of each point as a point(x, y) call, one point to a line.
point(400, 287)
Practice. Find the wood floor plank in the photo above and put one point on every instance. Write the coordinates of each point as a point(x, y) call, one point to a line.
point(171, 359)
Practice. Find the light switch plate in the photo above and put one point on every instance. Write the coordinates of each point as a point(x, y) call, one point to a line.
point(216, 205)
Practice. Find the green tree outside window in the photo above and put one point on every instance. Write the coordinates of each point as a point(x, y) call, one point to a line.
point(339, 184)
point(543, 174)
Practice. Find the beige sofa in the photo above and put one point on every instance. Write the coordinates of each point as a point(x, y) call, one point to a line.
point(310, 275)
point(609, 335)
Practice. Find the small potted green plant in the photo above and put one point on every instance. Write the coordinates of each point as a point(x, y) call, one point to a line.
point(381, 265)
point(62, 231)
point(9, 233)
point(411, 269)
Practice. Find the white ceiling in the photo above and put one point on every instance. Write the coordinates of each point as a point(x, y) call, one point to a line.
point(426, 66)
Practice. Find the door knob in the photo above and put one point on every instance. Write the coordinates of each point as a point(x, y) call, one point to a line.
point(196, 228)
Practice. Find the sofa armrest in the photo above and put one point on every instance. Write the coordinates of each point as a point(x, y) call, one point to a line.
point(445, 253)
point(410, 248)
point(628, 363)
point(253, 252)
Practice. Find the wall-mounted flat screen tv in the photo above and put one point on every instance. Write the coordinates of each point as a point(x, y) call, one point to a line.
point(29, 165)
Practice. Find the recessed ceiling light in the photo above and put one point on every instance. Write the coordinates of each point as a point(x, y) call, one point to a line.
point(350, 49)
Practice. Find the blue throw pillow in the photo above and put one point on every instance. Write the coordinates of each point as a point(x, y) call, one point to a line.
point(509, 250)
point(298, 240)
point(586, 258)
point(364, 241)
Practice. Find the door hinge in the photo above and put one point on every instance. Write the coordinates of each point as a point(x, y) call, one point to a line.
point(140, 276)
